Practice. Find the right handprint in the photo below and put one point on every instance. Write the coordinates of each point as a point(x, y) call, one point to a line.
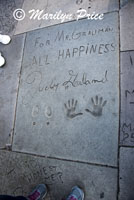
point(98, 105)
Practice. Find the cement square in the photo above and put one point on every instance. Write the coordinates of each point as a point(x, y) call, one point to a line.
point(7, 21)
point(64, 6)
point(9, 80)
point(68, 103)
point(127, 25)
point(126, 173)
point(127, 99)
point(23, 172)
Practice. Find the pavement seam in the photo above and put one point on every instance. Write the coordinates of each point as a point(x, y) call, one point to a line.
point(62, 159)
point(19, 77)
point(118, 174)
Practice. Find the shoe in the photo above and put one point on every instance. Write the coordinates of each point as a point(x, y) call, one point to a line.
point(2, 60)
point(76, 194)
point(5, 39)
point(38, 193)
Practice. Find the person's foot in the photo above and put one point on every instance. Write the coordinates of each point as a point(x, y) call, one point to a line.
point(2, 60)
point(5, 39)
point(38, 193)
point(76, 194)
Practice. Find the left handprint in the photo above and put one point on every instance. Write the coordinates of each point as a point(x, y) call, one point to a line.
point(70, 107)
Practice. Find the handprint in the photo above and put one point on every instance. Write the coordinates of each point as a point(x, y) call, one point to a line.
point(98, 105)
point(70, 108)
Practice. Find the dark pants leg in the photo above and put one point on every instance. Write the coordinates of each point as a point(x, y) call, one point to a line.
point(7, 197)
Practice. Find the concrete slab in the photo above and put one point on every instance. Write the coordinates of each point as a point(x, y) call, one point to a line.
point(127, 25)
point(66, 6)
point(126, 174)
point(127, 98)
point(68, 96)
point(7, 21)
point(9, 78)
point(60, 176)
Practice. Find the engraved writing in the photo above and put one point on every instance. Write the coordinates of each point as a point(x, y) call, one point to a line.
point(62, 36)
point(127, 97)
point(74, 80)
point(50, 174)
point(40, 61)
point(86, 50)
point(128, 132)
point(129, 93)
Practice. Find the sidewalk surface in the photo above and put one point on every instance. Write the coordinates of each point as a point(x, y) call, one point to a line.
point(67, 100)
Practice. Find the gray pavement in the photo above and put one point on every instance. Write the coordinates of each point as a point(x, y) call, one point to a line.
point(66, 101)
point(60, 75)
point(23, 172)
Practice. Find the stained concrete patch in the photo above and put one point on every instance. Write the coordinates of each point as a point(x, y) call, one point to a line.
point(68, 96)
point(127, 25)
point(127, 99)
point(126, 174)
point(66, 6)
point(9, 79)
point(23, 172)
point(7, 21)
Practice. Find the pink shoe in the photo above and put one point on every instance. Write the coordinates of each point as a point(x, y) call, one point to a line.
point(38, 193)
point(76, 194)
